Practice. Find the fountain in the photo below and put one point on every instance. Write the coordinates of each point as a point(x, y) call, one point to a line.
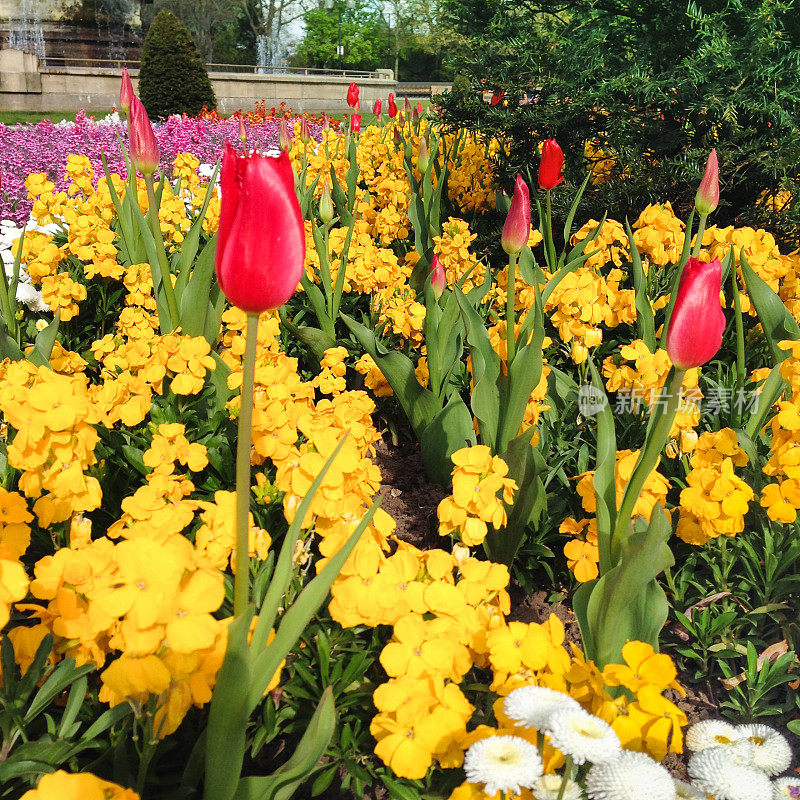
point(54, 30)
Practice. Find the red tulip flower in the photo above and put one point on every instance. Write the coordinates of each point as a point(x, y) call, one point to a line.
point(377, 109)
point(707, 198)
point(352, 96)
point(517, 228)
point(551, 165)
point(125, 91)
point(695, 329)
point(497, 98)
point(391, 107)
point(141, 139)
point(261, 243)
point(419, 108)
point(355, 123)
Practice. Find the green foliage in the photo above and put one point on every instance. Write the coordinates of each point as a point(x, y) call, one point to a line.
point(656, 86)
point(363, 36)
point(173, 77)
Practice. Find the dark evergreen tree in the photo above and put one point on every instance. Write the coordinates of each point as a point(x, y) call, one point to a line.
point(173, 78)
point(654, 85)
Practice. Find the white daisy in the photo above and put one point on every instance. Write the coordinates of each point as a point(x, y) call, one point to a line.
point(583, 736)
point(632, 776)
point(531, 706)
point(786, 789)
point(728, 773)
point(548, 787)
point(710, 733)
point(772, 752)
point(503, 764)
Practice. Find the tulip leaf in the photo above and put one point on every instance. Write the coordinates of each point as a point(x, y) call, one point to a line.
point(627, 602)
point(191, 243)
point(298, 615)
point(340, 200)
point(450, 430)
point(571, 214)
point(317, 340)
point(604, 480)
point(282, 574)
point(285, 780)
point(227, 719)
point(420, 405)
point(773, 388)
point(645, 320)
point(486, 394)
point(778, 324)
point(193, 300)
point(8, 345)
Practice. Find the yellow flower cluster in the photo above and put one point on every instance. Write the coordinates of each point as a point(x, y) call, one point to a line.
point(61, 785)
point(715, 500)
point(478, 479)
point(53, 447)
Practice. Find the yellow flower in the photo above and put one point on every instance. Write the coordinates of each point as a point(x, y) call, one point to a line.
point(61, 785)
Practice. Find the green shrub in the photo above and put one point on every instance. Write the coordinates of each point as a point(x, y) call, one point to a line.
point(655, 85)
point(173, 78)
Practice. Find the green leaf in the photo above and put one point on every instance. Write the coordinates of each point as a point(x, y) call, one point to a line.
point(645, 320)
point(45, 339)
point(227, 720)
point(605, 489)
point(420, 405)
point(573, 208)
point(62, 676)
point(285, 780)
point(193, 299)
point(450, 430)
point(486, 403)
point(299, 613)
point(777, 322)
point(317, 340)
point(627, 602)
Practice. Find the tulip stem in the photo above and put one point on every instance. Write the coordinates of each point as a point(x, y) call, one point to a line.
point(740, 368)
point(550, 244)
point(166, 279)
point(698, 242)
point(241, 585)
point(510, 301)
point(661, 418)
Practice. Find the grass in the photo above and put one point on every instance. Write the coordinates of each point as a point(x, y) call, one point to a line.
point(15, 117)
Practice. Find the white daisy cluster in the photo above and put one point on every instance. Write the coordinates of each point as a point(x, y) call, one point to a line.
point(738, 762)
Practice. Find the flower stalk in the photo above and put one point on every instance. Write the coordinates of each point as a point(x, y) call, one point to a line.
point(169, 290)
point(241, 585)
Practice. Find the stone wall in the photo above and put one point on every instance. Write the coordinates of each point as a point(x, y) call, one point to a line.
point(25, 85)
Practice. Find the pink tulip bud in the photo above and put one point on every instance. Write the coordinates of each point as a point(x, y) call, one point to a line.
point(141, 139)
point(284, 137)
point(326, 210)
point(697, 323)
point(326, 124)
point(517, 228)
point(242, 131)
point(126, 91)
point(707, 198)
point(305, 131)
point(438, 278)
point(419, 109)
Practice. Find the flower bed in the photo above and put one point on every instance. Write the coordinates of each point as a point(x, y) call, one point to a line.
point(118, 544)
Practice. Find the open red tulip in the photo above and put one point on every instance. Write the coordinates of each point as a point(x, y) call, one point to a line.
point(697, 323)
point(261, 243)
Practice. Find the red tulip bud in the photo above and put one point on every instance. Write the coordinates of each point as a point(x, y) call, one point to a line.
point(391, 107)
point(352, 96)
point(141, 139)
point(377, 108)
point(401, 119)
point(326, 209)
point(707, 198)
point(355, 123)
point(551, 165)
point(419, 108)
point(261, 241)
point(438, 278)
point(695, 329)
point(406, 106)
point(326, 125)
point(517, 228)
point(126, 91)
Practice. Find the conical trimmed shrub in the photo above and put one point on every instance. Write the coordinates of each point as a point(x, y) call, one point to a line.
point(173, 77)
